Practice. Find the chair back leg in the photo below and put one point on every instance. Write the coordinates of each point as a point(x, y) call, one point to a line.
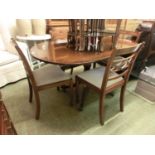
point(101, 109)
point(30, 91)
point(76, 90)
point(71, 93)
point(122, 93)
point(83, 95)
point(37, 100)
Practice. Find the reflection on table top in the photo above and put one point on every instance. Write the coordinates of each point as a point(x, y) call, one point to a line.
point(66, 56)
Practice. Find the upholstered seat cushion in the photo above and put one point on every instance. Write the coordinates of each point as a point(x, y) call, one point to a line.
point(7, 57)
point(95, 77)
point(50, 74)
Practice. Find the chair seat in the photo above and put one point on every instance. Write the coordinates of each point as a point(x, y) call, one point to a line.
point(49, 74)
point(95, 77)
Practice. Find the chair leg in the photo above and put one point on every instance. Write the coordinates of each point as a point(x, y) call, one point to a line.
point(71, 71)
point(111, 94)
point(101, 109)
point(94, 65)
point(37, 99)
point(30, 91)
point(58, 88)
point(71, 93)
point(76, 91)
point(122, 93)
point(82, 98)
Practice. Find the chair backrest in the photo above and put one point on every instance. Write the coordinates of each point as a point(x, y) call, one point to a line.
point(122, 65)
point(130, 35)
point(21, 48)
point(113, 48)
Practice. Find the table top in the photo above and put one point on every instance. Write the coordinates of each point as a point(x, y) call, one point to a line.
point(65, 56)
point(34, 37)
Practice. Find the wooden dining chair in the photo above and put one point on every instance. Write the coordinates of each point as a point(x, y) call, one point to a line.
point(107, 78)
point(43, 78)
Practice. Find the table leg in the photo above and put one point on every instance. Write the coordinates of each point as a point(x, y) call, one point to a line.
point(87, 67)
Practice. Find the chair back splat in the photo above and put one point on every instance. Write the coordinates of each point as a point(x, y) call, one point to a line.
point(22, 48)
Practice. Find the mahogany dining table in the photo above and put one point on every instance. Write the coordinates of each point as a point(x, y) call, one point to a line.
point(61, 55)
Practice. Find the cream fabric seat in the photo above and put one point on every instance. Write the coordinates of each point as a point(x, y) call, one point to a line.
point(49, 74)
point(95, 77)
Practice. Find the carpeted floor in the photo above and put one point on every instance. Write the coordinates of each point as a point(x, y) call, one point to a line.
point(57, 117)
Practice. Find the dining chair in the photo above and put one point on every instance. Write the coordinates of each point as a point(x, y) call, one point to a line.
point(42, 78)
point(107, 78)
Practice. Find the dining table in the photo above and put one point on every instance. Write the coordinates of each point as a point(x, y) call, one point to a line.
point(62, 55)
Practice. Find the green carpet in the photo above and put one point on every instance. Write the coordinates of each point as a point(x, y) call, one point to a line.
point(57, 117)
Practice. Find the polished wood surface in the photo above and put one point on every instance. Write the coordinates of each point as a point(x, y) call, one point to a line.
point(65, 56)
